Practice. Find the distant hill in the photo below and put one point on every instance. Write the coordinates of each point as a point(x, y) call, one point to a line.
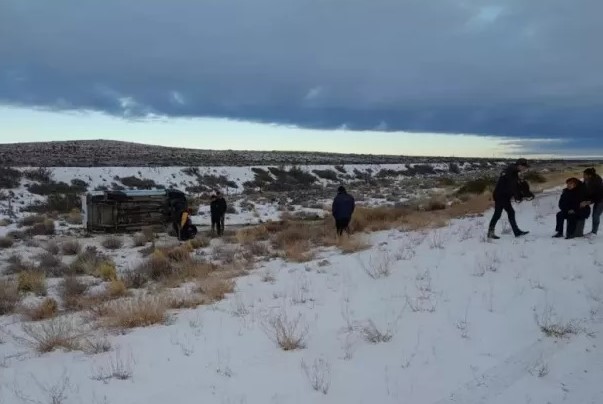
point(104, 153)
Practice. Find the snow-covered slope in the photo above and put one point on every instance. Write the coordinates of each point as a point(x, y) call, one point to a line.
point(459, 321)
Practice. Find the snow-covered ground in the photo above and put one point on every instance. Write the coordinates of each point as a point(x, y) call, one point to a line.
point(446, 317)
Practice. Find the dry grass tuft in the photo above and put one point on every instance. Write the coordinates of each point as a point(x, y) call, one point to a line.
point(199, 242)
point(9, 297)
point(215, 289)
point(52, 248)
point(47, 308)
point(46, 228)
point(178, 254)
point(288, 334)
point(113, 243)
point(51, 264)
point(72, 291)
point(31, 220)
point(299, 252)
point(6, 242)
point(142, 311)
point(253, 234)
point(32, 281)
point(156, 267)
point(71, 247)
point(349, 245)
point(57, 333)
point(185, 301)
point(107, 271)
point(149, 233)
point(89, 262)
point(5, 222)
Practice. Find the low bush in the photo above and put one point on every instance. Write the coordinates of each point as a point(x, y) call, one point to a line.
point(42, 174)
point(9, 296)
point(477, 186)
point(59, 332)
point(138, 183)
point(46, 228)
point(32, 281)
point(107, 271)
point(71, 247)
point(215, 289)
point(534, 177)
point(31, 220)
point(156, 267)
point(113, 243)
point(142, 311)
point(72, 290)
point(9, 178)
point(6, 242)
point(47, 308)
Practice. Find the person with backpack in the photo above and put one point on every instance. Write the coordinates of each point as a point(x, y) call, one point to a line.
point(186, 229)
point(571, 208)
point(342, 209)
point(594, 192)
point(507, 188)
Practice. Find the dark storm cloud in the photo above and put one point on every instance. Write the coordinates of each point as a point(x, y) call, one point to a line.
point(526, 68)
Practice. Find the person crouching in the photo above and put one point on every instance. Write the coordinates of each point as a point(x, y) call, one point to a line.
point(571, 208)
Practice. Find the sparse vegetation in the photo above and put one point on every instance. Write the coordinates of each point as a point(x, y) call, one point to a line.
point(113, 242)
point(142, 311)
point(288, 334)
point(32, 281)
point(47, 308)
point(71, 247)
point(45, 228)
point(56, 333)
point(215, 289)
point(9, 296)
point(6, 242)
point(72, 290)
point(477, 186)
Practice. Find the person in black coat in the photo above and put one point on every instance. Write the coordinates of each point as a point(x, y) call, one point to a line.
point(342, 209)
point(218, 209)
point(571, 207)
point(594, 191)
point(507, 188)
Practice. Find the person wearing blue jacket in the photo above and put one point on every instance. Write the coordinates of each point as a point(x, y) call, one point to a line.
point(343, 208)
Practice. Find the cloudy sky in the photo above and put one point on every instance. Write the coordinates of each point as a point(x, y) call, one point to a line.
point(452, 77)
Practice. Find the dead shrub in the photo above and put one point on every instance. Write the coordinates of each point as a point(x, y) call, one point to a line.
point(349, 245)
point(299, 252)
point(6, 242)
point(28, 221)
point(116, 288)
point(253, 234)
point(133, 279)
point(372, 334)
point(225, 254)
point(16, 265)
point(379, 218)
point(32, 281)
point(178, 254)
point(52, 265)
point(5, 222)
point(9, 296)
point(199, 242)
point(113, 243)
point(72, 291)
point(156, 267)
point(215, 289)
point(379, 265)
point(185, 301)
point(56, 333)
point(71, 247)
point(256, 249)
point(194, 269)
point(107, 271)
point(46, 228)
point(47, 308)
point(88, 262)
point(52, 248)
point(142, 311)
point(288, 334)
point(139, 240)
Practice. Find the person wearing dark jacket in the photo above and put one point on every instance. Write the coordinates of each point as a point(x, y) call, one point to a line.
point(571, 208)
point(186, 229)
point(594, 192)
point(218, 211)
point(507, 188)
point(343, 208)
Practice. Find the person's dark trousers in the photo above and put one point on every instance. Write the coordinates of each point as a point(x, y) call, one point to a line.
point(342, 225)
point(597, 211)
point(221, 225)
point(499, 206)
point(215, 225)
point(572, 221)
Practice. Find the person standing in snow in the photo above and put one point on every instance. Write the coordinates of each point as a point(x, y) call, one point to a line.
point(572, 208)
point(342, 209)
point(594, 192)
point(218, 209)
point(507, 188)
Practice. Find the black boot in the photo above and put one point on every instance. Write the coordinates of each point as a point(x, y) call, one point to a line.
point(558, 235)
point(521, 233)
point(492, 236)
